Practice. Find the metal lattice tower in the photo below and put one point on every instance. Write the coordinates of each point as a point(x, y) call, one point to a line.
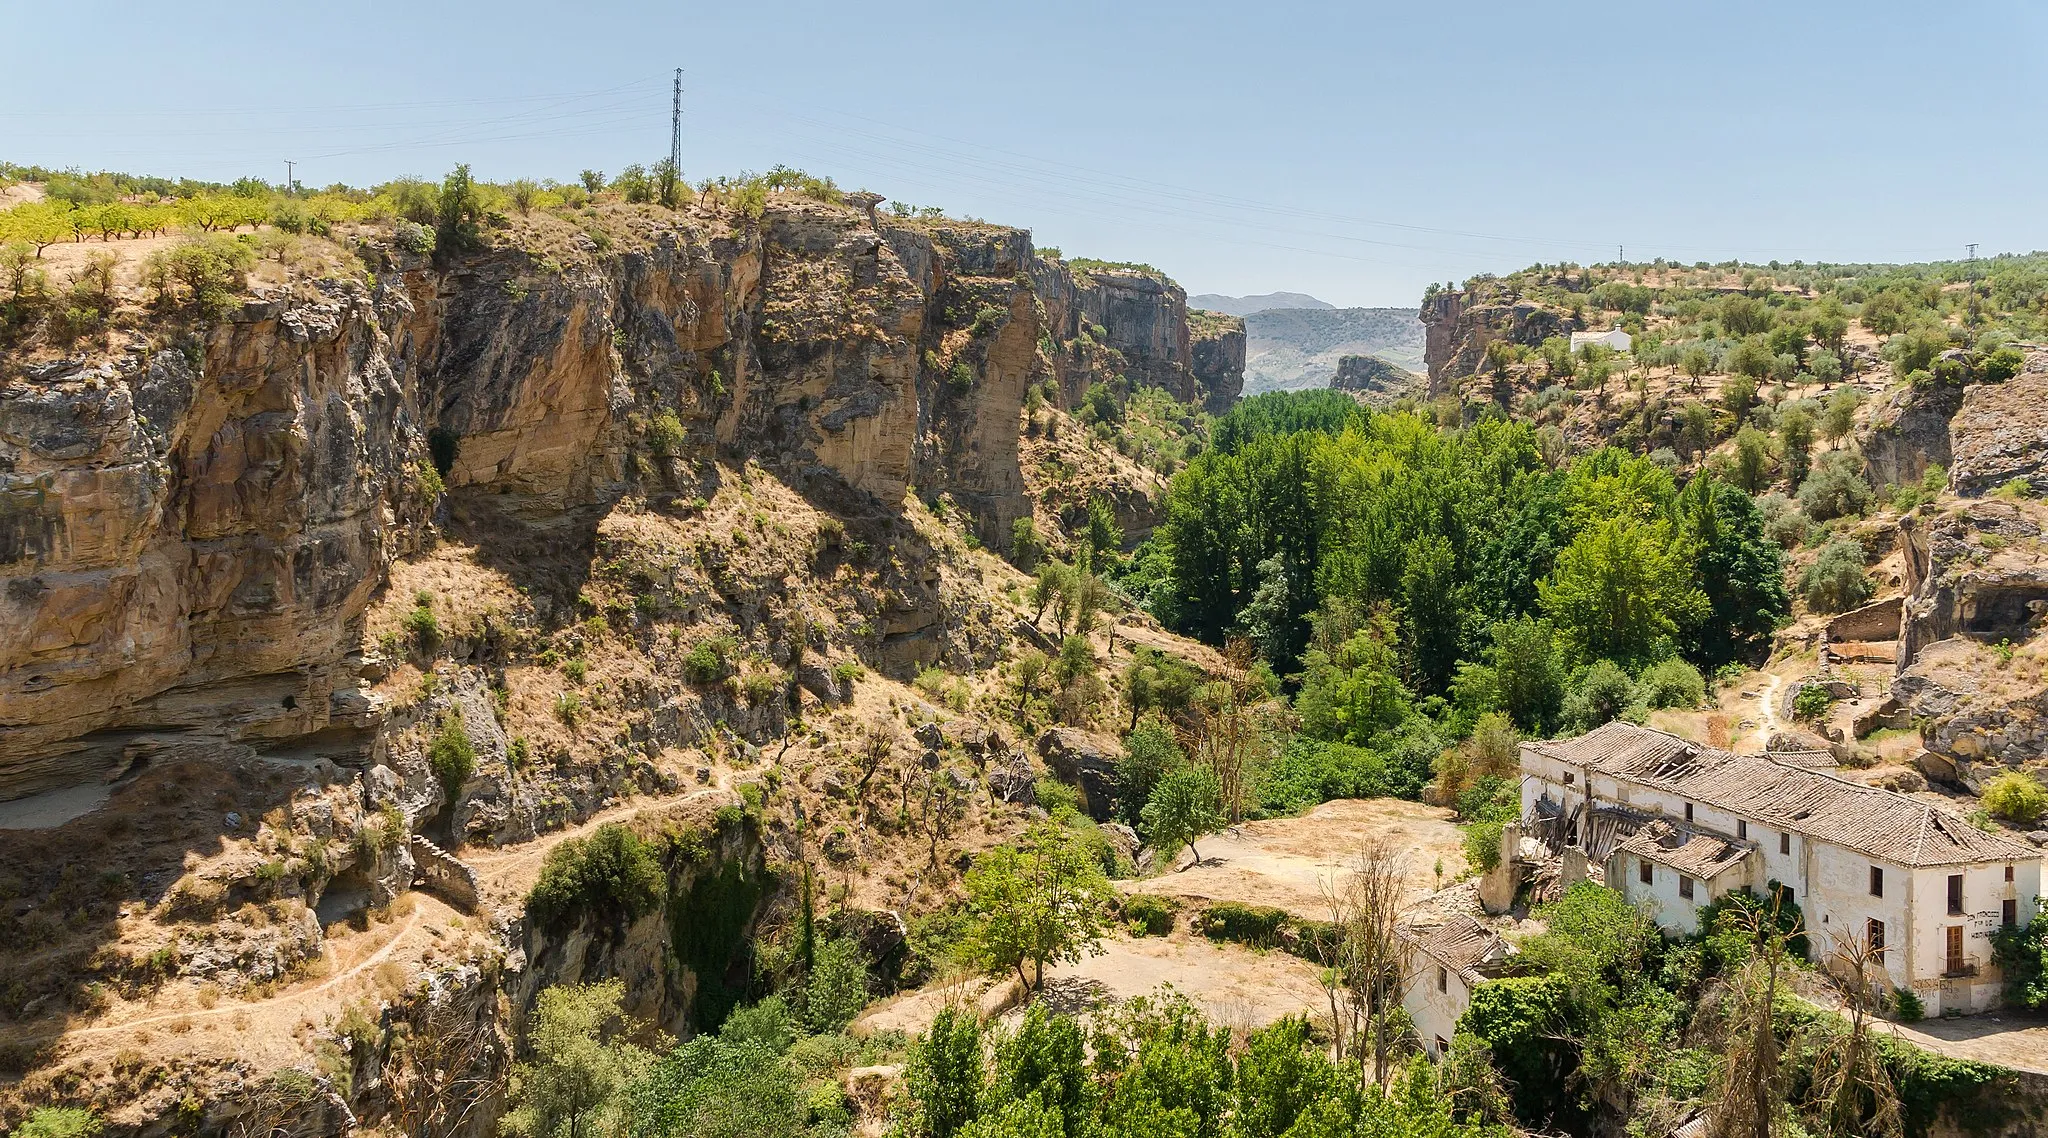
point(675, 129)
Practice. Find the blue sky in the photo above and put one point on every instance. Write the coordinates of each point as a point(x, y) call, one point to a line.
point(1354, 151)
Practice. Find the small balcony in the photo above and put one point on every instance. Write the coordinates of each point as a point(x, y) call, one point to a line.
point(1961, 972)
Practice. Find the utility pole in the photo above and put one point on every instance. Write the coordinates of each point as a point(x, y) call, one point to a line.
point(289, 192)
point(675, 143)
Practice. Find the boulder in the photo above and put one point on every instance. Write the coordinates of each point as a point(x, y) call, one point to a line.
point(1938, 768)
point(1086, 760)
point(1012, 781)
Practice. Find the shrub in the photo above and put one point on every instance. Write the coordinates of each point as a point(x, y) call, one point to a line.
point(1309, 772)
point(1603, 694)
point(613, 874)
point(1147, 914)
point(451, 755)
point(1247, 924)
point(2015, 489)
point(1836, 581)
point(837, 988)
point(710, 661)
point(1836, 488)
point(1056, 797)
point(425, 630)
point(1672, 683)
point(568, 707)
point(2016, 797)
point(1907, 1007)
point(1812, 702)
point(59, 1122)
point(666, 434)
point(847, 671)
point(1784, 524)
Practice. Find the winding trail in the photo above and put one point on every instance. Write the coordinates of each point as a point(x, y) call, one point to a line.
point(292, 995)
point(1769, 706)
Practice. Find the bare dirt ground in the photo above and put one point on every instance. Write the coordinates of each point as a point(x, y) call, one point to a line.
point(1238, 987)
point(1288, 862)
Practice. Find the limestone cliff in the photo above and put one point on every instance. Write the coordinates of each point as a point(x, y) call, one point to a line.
point(1108, 322)
point(1459, 323)
point(191, 531)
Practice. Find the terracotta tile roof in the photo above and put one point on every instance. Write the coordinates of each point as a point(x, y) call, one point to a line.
point(1461, 944)
point(1691, 852)
point(1884, 824)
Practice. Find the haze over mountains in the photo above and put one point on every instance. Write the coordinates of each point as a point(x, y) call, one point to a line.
point(1246, 305)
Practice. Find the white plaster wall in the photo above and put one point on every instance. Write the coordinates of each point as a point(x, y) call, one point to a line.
point(1435, 1013)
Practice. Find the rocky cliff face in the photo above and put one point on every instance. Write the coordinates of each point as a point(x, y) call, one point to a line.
point(1218, 344)
point(2000, 432)
point(1375, 378)
point(1977, 586)
point(1459, 324)
point(190, 532)
point(1142, 318)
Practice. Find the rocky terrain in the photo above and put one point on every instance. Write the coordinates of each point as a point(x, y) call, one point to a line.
point(1375, 379)
point(630, 513)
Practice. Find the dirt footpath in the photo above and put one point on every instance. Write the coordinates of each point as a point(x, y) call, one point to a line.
point(1287, 862)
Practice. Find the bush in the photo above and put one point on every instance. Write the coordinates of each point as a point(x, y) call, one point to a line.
point(451, 756)
point(1836, 581)
point(2016, 797)
point(59, 1122)
point(425, 631)
point(1258, 925)
point(710, 661)
point(837, 988)
point(1812, 702)
point(1309, 772)
point(1603, 694)
point(1149, 753)
point(1147, 914)
point(1784, 524)
point(1907, 1007)
point(1056, 797)
point(1672, 683)
point(1836, 488)
point(613, 874)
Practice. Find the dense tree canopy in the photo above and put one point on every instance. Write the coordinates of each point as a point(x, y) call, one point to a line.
point(1443, 535)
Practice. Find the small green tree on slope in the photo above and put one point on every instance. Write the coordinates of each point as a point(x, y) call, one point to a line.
point(1183, 807)
point(1042, 901)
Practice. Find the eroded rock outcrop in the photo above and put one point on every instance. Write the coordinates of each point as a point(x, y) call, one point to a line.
point(1977, 589)
point(1458, 324)
point(2000, 432)
point(190, 532)
point(1375, 378)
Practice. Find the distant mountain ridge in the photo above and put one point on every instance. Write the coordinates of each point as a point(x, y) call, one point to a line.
point(1246, 305)
point(1294, 348)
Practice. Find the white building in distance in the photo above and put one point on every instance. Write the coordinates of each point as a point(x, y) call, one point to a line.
point(1614, 338)
point(1678, 825)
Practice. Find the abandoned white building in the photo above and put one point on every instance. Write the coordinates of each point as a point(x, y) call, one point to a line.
point(1440, 966)
point(1615, 338)
point(1677, 825)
